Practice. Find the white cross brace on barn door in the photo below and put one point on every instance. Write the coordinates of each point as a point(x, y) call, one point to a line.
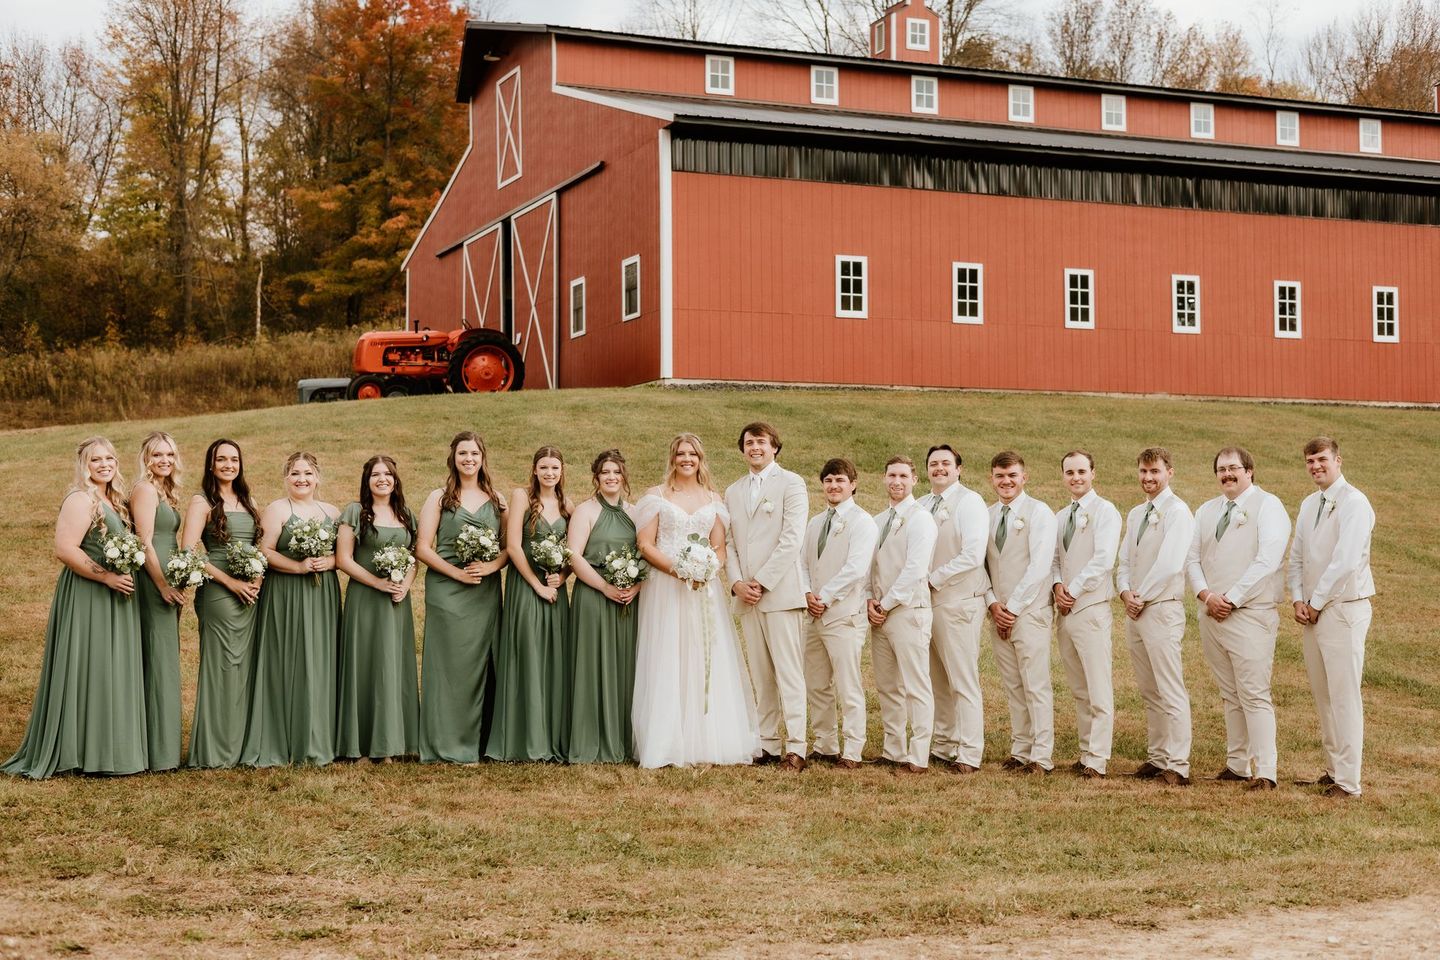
point(508, 132)
point(472, 299)
point(533, 328)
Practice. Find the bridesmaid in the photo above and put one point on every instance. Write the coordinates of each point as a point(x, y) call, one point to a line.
point(222, 514)
point(89, 712)
point(462, 608)
point(379, 714)
point(297, 633)
point(155, 510)
point(533, 661)
point(602, 622)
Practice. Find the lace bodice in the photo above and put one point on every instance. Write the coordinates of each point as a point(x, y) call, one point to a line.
point(675, 525)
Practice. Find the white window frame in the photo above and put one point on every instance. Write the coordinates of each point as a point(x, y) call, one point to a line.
point(1202, 116)
point(1022, 103)
point(727, 65)
point(638, 308)
point(1112, 103)
point(570, 309)
point(1371, 125)
point(1089, 276)
point(864, 311)
point(1297, 333)
point(815, 97)
point(1394, 306)
point(955, 314)
point(879, 36)
point(1281, 140)
point(1175, 280)
point(910, 24)
point(915, 81)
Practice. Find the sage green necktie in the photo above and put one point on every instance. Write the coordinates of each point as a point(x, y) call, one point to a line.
point(1319, 511)
point(1224, 523)
point(935, 502)
point(1145, 521)
point(886, 531)
point(825, 531)
point(1070, 524)
point(1001, 532)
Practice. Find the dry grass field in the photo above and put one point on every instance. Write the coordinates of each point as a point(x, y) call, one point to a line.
point(539, 860)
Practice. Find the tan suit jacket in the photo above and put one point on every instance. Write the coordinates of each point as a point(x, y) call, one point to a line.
point(765, 544)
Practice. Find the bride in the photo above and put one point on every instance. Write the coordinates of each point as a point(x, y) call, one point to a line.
point(692, 694)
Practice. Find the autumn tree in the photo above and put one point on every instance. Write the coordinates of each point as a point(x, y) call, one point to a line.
point(1380, 57)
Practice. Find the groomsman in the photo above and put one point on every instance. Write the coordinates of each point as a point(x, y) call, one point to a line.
point(1331, 586)
point(1088, 536)
point(1019, 556)
point(958, 582)
point(768, 509)
point(839, 546)
point(1234, 570)
point(1151, 581)
point(899, 613)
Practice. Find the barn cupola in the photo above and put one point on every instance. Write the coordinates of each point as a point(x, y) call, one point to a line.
point(908, 30)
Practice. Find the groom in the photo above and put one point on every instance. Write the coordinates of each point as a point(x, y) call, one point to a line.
point(763, 558)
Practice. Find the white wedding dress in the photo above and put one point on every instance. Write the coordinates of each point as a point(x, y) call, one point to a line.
point(690, 707)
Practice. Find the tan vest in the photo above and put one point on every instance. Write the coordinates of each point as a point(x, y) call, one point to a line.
point(1144, 553)
point(948, 545)
point(890, 561)
point(823, 568)
point(1006, 568)
point(1082, 548)
point(1320, 544)
point(1225, 561)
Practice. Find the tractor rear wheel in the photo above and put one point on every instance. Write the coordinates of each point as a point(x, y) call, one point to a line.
point(486, 363)
point(367, 386)
point(399, 387)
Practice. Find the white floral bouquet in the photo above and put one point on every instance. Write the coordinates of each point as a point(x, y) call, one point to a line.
point(186, 568)
point(122, 552)
point(550, 553)
point(245, 561)
point(476, 544)
point(313, 537)
point(394, 562)
point(624, 568)
point(697, 564)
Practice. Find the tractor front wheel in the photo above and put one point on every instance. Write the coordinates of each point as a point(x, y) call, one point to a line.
point(486, 364)
point(368, 386)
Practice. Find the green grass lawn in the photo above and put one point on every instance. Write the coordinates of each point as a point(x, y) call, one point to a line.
point(542, 860)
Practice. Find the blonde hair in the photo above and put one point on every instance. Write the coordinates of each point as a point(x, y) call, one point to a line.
point(702, 474)
point(115, 492)
point(295, 458)
point(166, 487)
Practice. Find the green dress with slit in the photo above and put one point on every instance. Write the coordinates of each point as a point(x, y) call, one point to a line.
point(532, 666)
point(160, 643)
point(89, 710)
point(379, 711)
point(602, 634)
point(227, 656)
point(462, 624)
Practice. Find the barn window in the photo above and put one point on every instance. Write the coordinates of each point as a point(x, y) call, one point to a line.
point(1287, 309)
point(879, 36)
point(720, 75)
point(630, 288)
point(1022, 104)
point(1202, 121)
point(1287, 128)
point(824, 85)
point(1080, 299)
point(1184, 304)
point(1112, 111)
point(917, 34)
point(1370, 136)
point(851, 295)
point(577, 307)
point(969, 279)
point(1387, 314)
point(923, 95)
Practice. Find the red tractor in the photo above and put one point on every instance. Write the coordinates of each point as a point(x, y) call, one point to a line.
point(400, 363)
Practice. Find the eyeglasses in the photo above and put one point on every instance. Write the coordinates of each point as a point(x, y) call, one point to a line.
point(1229, 469)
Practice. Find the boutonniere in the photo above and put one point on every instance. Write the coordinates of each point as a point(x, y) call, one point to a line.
point(1240, 517)
point(1329, 506)
point(942, 514)
point(838, 526)
point(1019, 523)
point(767, 506)
point(1155, 516)
point(1082, 521)
point(899, 521)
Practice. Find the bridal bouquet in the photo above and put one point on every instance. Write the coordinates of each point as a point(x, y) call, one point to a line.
point(245, 561)
point(550, 553)
point(624, 568)
point(186, 568)
point(123, 552)
point(313, 537)
point(394, 562)
point(476, 544)
point(697, 564)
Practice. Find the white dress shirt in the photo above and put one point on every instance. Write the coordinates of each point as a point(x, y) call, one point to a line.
point(1106, 521)
point(1352, 547)
point(1179, 523)
point(918, 528)
point(968, 509)
point(1042, 550)
point(1264, 509)
point(859, 552)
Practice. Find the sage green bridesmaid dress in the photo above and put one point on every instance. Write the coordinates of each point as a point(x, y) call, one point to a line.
point(462, 625)
point(379, 713)
point(160, 643)
point(532, 667)
point(602, 634)
point(227, 657)
point(297, 640)
point(89, 711)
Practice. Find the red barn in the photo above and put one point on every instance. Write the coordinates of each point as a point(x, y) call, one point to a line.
point(638, 209)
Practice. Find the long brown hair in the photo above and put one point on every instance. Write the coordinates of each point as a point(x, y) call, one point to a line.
point(536, 509)
point(609, 456)
point(450, 499)
point(167, 487)
point(210, 488)
point(702, 473)
point(397, 500)
point(114, 493)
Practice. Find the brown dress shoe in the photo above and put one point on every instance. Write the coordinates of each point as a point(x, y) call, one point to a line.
point(793, 761)
point(845, 763)
point(1013, 763)
point(963, 769)
point(824, 757)
point(1324, 780)
point(1230, 776)
point(1260, 783)
point(767, 759)
point(1338, 792)
point(1090, 773)
point(909, 769)
point(1078, 767)
point(1172, 778)
point(1035, 768)
point(1147, 771)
